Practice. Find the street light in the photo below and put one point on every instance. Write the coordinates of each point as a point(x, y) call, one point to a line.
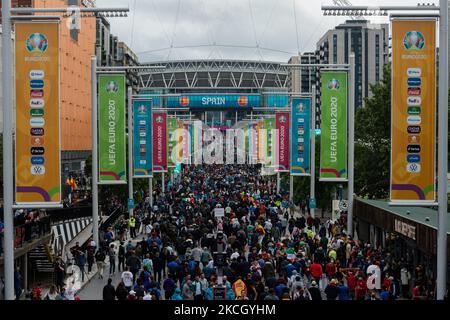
point(7, 90)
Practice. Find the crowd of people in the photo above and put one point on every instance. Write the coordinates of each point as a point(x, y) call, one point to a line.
point(271, 252)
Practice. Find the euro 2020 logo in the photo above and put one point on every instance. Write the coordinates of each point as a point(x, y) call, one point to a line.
point(37, 42)
point(112, 87)
point(414, 40)
point(142, 109)
point(334, 84)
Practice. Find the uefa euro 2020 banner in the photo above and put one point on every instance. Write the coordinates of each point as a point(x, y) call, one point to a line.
point(171, 140)
point(333, 147)
point(283, 136)
point(413, 111)
point(301, 137)
point(111, 129)
point(160, 142)
point(38, 142)
point(142, 138)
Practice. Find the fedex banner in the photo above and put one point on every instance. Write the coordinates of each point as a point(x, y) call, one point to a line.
point(160, 142)
point(214, 101)
point(301, 137)
point(282, 125)
point(142, 138)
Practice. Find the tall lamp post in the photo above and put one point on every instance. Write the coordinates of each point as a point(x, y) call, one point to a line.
point(7, 91)
point(442, 10)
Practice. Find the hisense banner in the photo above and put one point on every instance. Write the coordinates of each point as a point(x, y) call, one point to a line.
point(142, 138)
point(334, 137)
point(38, 142)
point(301, 137)
point(111, 129)
point(413, 148)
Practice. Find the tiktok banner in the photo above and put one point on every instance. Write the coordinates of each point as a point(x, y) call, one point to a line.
point(159, 142)
point(413, 164)
point(282, 125)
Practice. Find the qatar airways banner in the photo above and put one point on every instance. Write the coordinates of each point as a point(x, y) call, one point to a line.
point(159, 142)
point(282, 125)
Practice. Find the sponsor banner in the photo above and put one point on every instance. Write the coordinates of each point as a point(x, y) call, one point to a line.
point(171, 140)
point(160, 142)
point(214, 101)
point(261, 142)
point(142, 138)
point(38, 144)
point(186, 143)
point(282, 127)
point(198, 142)
point(271, 141)
point(413, 171)
point(333, 146)
point(111, 129)
point(301, 137)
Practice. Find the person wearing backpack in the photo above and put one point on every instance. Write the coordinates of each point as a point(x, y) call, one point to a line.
point(100, 260)
point(121, 257)
point(197, 289)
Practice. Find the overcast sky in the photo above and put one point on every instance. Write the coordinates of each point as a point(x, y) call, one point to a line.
point(192, 27)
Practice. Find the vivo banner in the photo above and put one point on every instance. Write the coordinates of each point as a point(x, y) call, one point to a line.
point(301, 137)
point(333, 147)
point(413, 154)
point(142, 138)
point(214, 101)
point(38, 144)
point(282, 123)
point(160, 142)
point(111, 129)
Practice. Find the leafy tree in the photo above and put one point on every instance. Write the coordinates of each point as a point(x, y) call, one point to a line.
point(373, 141)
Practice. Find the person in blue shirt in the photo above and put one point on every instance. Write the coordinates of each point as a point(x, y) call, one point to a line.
point(343, 291)
point(176, 295)
point(290, 267)
point(384, 294)
point(279, 289)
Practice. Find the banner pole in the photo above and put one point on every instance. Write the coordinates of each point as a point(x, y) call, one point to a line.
point(130, 149)
point(351, 144)
point(8, 190)
point(150, 190)
point(442, 153)
point(94, 185)
point(313, 150)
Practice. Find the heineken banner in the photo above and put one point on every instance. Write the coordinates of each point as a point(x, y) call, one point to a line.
point(413, 171)
point(111, 129)
point(301, 137)
point(171, 140)
point(333, 147)
point(38, 142)
point(142, 138)
point(282, 125)
point(160, 142)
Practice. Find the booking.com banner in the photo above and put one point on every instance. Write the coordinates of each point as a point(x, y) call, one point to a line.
point(413, 111)
point(214, 101)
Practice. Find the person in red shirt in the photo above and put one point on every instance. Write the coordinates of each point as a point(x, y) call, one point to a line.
point(330, 269)
point(316, 271)
point(387, 283)
point(361, 289)
point(351, 283)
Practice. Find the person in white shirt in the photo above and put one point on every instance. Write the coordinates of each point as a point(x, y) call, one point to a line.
point(127, 278)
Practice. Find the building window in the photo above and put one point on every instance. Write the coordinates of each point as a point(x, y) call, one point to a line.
point(377, 58)
point(334, 48)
